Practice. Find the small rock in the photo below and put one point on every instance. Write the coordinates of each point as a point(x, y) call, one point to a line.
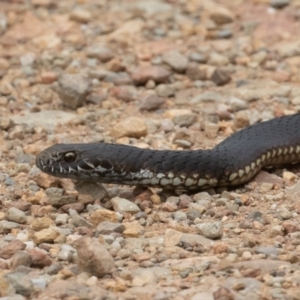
point(132, 229)
point(165, 90)
point(101, 52)
point(150, 102)
point(39, 258)
point(7, 226)
point(80, 15)
point(179, 216)
point(220, 77)
point(284, 213)
point(198, 57)
point(175, 60)
point(73, 89)
point(16, 215)
point(20, 258)
point(92, 257)
point(194, 72)
point(47, 235)
point(57, 197)
point(289, 176)
point(212, 230)
point(223, 293)
point(107, 227)
point(48, 77)
point(66, 253)
point(220, 247)
point(22, 284)
point(100, 215)
point(125, 93)
point(130, 127)
point(256, 216)
point(41, 223)
point(5, 89)
point(221, 15)
point(78, 221)
point(279, 3)
point(8, 250)
point(237, 104)
point(143, 74)
point(193, 214)
point(6, 123)
point(124, 205)
point(242, 119)
point(276, 230)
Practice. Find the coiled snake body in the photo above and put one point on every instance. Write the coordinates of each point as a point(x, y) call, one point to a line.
point(232, 162)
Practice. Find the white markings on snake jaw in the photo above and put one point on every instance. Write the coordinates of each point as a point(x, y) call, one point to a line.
point(90, 164)
point(165, 181)
point(176, 181)
point(189, 182)
point(233, 176)
point(201, 182)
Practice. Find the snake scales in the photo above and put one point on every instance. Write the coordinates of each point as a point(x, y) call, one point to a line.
point(232, 162)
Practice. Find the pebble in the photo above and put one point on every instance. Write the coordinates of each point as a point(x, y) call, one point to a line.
point(279, 3)
point(92, 257)
point(221, 15)
point(12, 247)
point(150, 102)
point(80, 15)
point(212, 230)
point(130, 127)
point(194, 72)
point(143, 74)
point(16, 215)
point(73, 89)
point(100, 215)
point(22, 284)
point(175, 60)
point(107, 227)
point(101, 52)
point(20, 258)
point(284, 213)
point(164, 90)
point(47, 235)
point(123, 205)
point(220, 77)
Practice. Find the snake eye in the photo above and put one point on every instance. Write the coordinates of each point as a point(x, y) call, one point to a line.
point(69, 157)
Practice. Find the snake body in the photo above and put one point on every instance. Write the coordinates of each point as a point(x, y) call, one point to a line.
point(232, 162)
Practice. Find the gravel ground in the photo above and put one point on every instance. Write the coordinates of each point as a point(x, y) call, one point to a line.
point(176, 74)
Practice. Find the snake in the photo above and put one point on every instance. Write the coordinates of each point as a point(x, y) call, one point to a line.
point(234, 161)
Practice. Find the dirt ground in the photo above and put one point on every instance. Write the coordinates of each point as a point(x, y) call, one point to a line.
point(172, 75)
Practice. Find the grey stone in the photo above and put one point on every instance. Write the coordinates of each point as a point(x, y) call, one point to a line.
point(124, 205)
point(73, 89)
point(16, 215)
point(92, 257)
point(22, 284)
point(165, 90)
point(101, 52)
point(57, 197)
point(107, 227)
point(212, 230)
point(150, 102)
point(175, 60)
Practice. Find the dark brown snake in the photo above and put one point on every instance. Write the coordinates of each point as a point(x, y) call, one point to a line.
point(232, 162)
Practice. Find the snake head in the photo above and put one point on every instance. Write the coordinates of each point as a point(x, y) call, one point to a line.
point(75, 161)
